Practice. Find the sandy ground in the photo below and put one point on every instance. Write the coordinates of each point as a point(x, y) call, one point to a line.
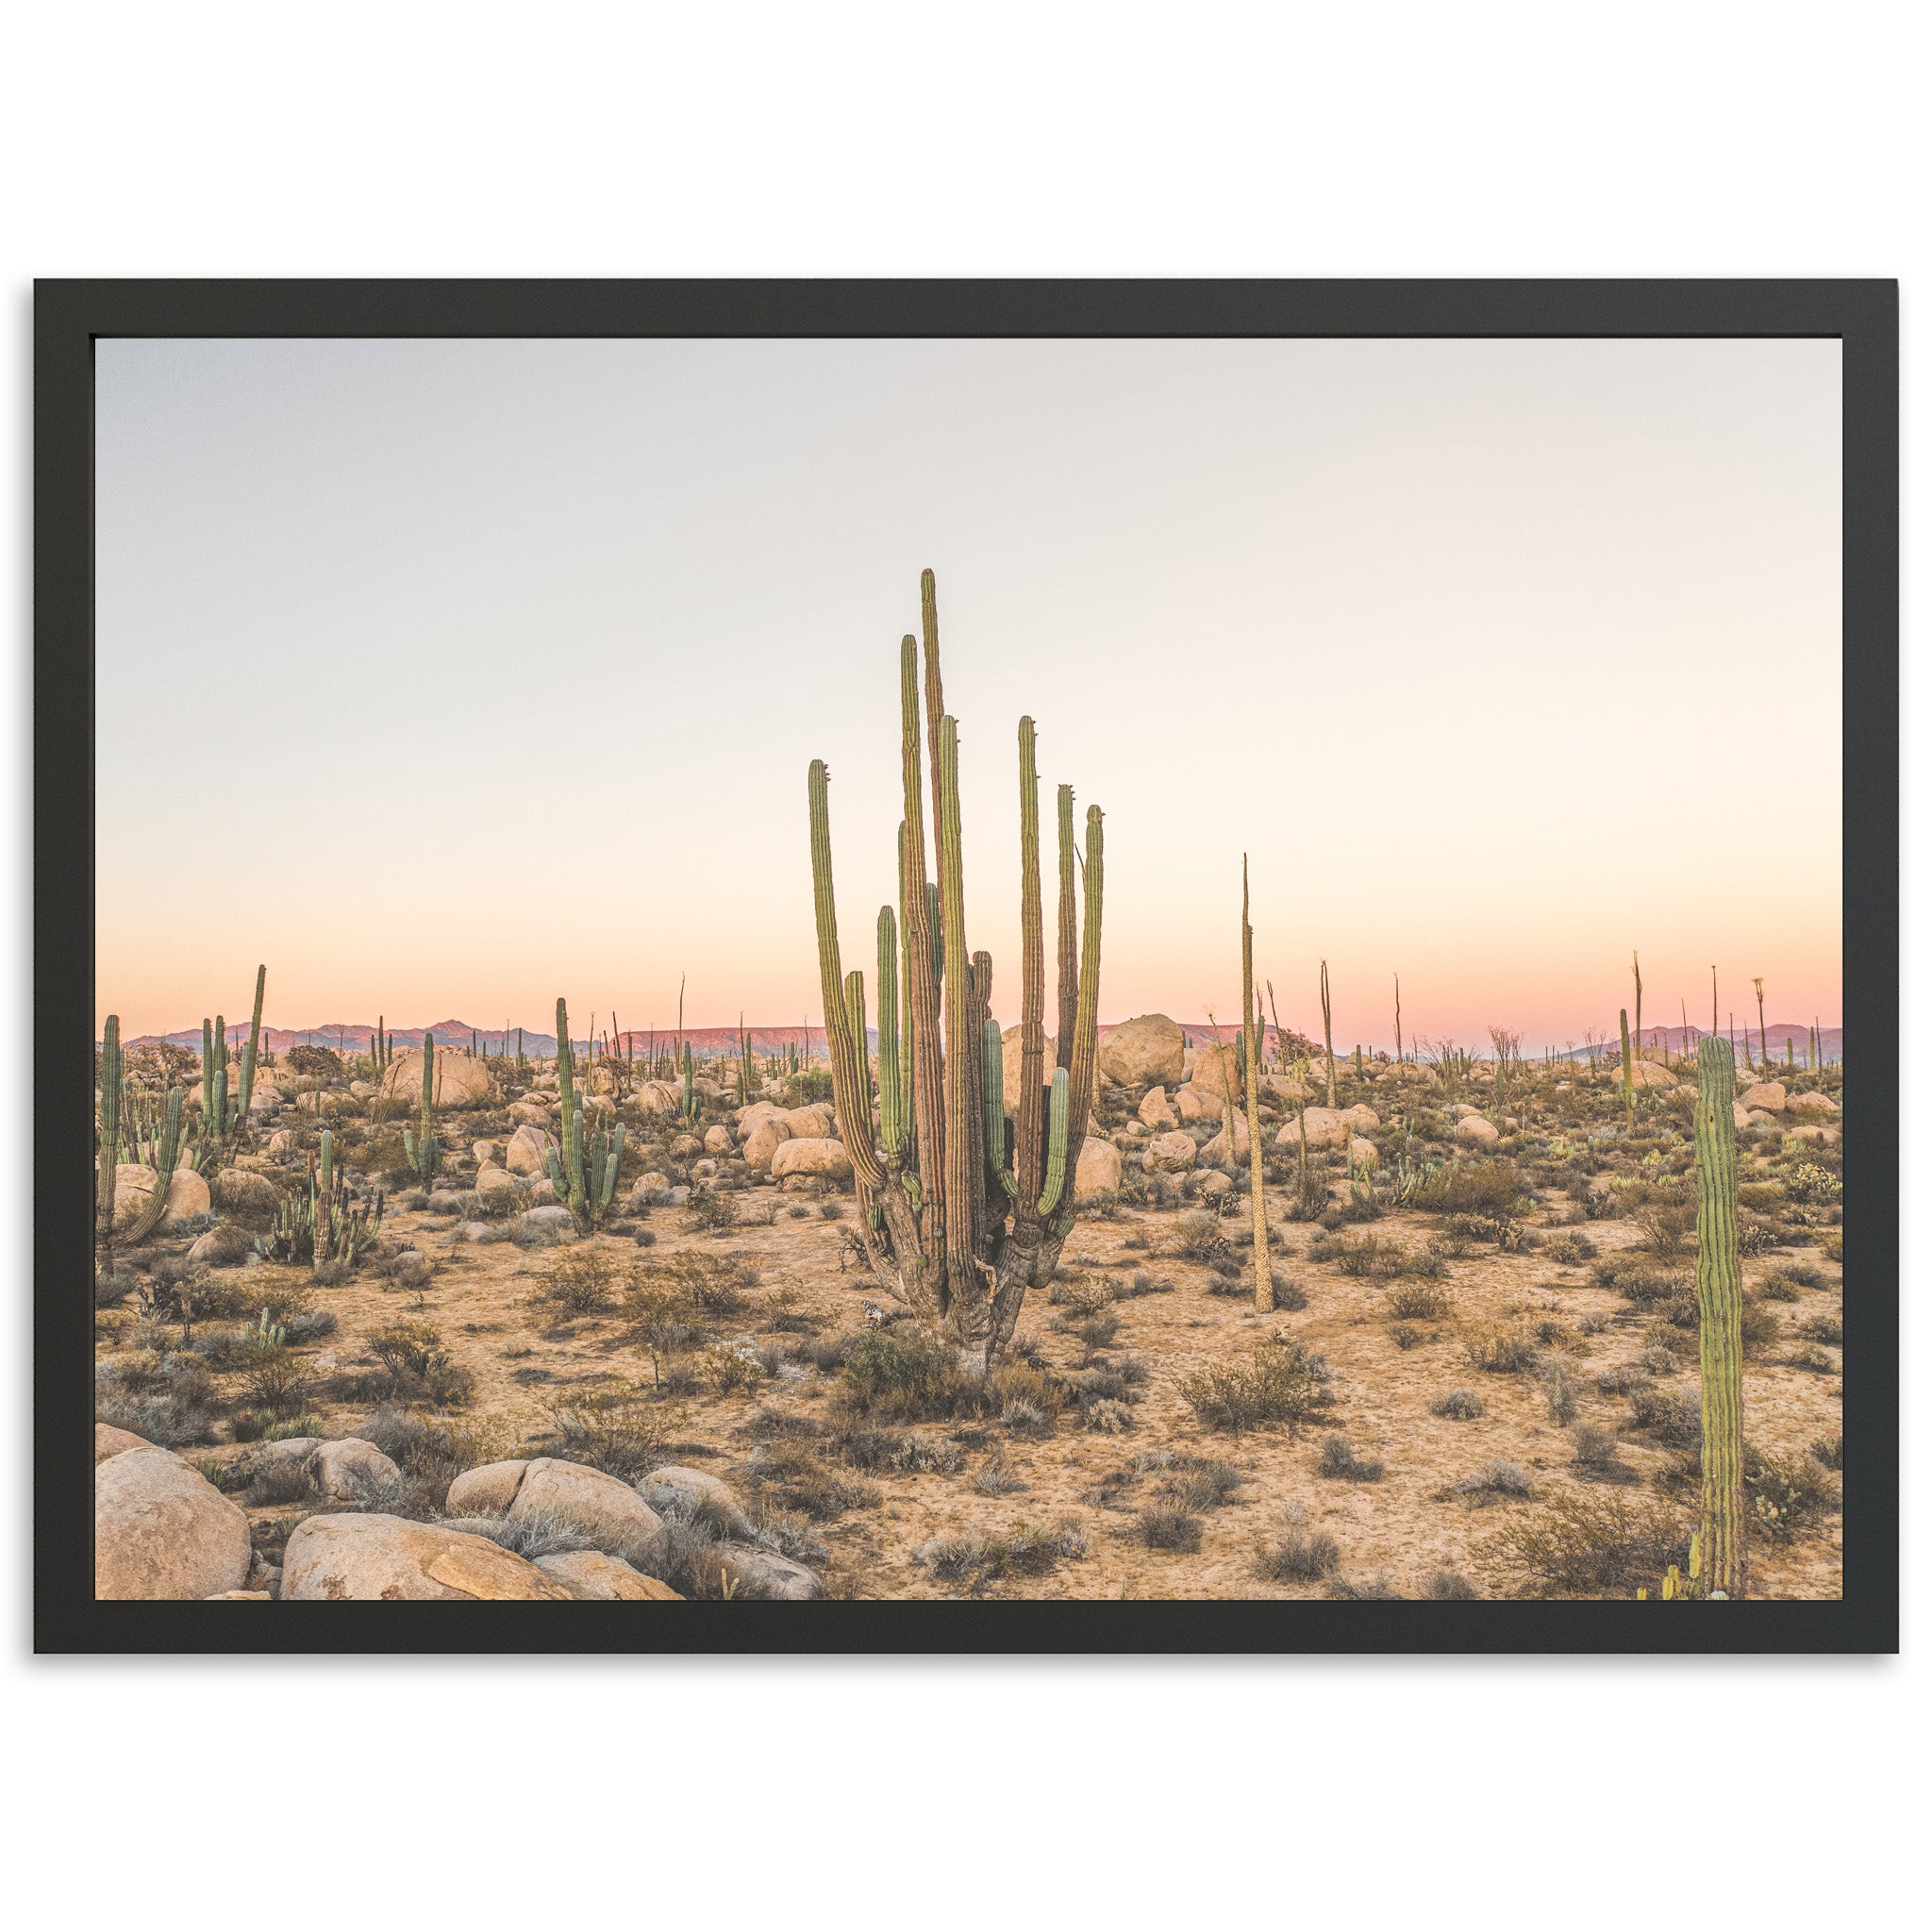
point(484, 1301)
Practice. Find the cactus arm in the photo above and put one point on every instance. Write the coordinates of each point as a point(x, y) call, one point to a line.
point(963, 1101)
point(555, 1169)
point(1719, 1311)
point(891, 1113)
point(922, 978)
point(1068, 952)
point(208, 1068)
point(1087, 1024)
point(849, 1089)
point(993, 1061)
point(1055, 1181)
point(1028, 1176)
point(611, 1166)
point(253, 1051)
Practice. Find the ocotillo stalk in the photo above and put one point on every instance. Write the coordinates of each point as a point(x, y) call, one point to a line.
point(113, 1079)
point(1226, 1090)
point(1398, 1019)
point(1629, 1105)
point(1328, 1032)
point(1264, 1273)
point(1720, 1318)
point(252, 1051)
point(1637, 973)
point(1763, 1045)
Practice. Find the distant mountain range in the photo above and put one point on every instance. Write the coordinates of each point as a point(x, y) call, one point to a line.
point(711, 1041)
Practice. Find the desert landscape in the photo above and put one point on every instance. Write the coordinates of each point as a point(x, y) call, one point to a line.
point(1135, 1310)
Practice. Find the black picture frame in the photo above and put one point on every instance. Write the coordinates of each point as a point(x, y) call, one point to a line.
point(70, 316)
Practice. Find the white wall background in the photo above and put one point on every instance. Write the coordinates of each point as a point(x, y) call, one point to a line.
point(1488, 138)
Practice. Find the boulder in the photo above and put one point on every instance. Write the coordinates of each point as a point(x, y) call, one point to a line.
point(718, 1139)
point(1215, 1184)
point(459, 1081)
point(281, 1142)
point(1157, 1110)
point(1815, 1135)
point(1767, 1095)
point(658, 1097)
point(530, 1113)
point(813, 1122)
point(186, 1193)
point(1284, 1087)
point(349, 1470)
point(1363, 1153)
point(1215, 1152)
point(161, 1529)
point(1820, 1105)
point(525, 1151)
point(1326, 1127)
point(1739, 1118)
point(494, 1180)
point(686, 1147)
point(1646, 1074)
point(1148, 1048)
point(224, 1246)
point(1213, 1066)
point(674, 1481)
point(109, 1441)
point(1364, 1119)
point(763, 1143)
point(812, 1157)
point(593, 1577)
point(610, 1513)
point(1009, 1067)
point(1169, 1153)
point(239, 1192)
point(1198, 1105)
point(358, 1558)
point(1473, 1130)
point(551, 1214)
point(488, 1490)
point(599, 1107)
point(485, 1153)
point(264, 1098)
point(762, 1574)
point(1097, 1171)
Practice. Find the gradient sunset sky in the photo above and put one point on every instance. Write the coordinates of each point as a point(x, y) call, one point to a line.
point(446, 677)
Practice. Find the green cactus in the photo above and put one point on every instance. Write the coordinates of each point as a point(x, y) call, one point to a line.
point(1720, 1320)
point(892, 1106)
point(1054, 1179)
point(939, 1235)
point(252, 1051)
point(1251, 1032)
point(1629, 1100)
point(114, 1086)
point(422, 1149)
point(585, 1174)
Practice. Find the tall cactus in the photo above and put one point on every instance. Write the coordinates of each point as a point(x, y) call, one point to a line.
point(1720, 1318)
point(1328, 1033)
point(167, 1155)
point(586, 1173)
point(950, 1228)
point(423, 1152)
point(251, 1052)
point(1630, 1102)
point(113, 1084)
point(1251, 1033)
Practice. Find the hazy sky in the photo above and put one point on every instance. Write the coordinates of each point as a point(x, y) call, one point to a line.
point(447, 678)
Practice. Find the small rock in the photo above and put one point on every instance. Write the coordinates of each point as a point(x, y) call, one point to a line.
point(593, 1577)
point(488, 1490)
point(718, 1139)
point(762, 1574)
point(675, 1481)
point(1477, 1131)
point(812, 1156)
point(349, 1470)
point(1148, 1048)
point(1097, 1171)
point(1157, 1110)
point(1169, 1153)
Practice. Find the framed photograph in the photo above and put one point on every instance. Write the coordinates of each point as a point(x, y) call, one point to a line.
point(971, 966)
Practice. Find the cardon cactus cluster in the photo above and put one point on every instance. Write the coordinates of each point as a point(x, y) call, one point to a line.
point(1719, 1321)
point(585, 1176)
point(113, 1085)
point(959, 1219)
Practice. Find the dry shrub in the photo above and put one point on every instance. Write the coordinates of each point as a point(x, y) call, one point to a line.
point(1416, 1301)
point(1500, 1351)
point(617, 1430)
point(580, 1280)
point(1277, 1384)
point(1296, 1554)
point(1478, 1186)
point(1590, 1546)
